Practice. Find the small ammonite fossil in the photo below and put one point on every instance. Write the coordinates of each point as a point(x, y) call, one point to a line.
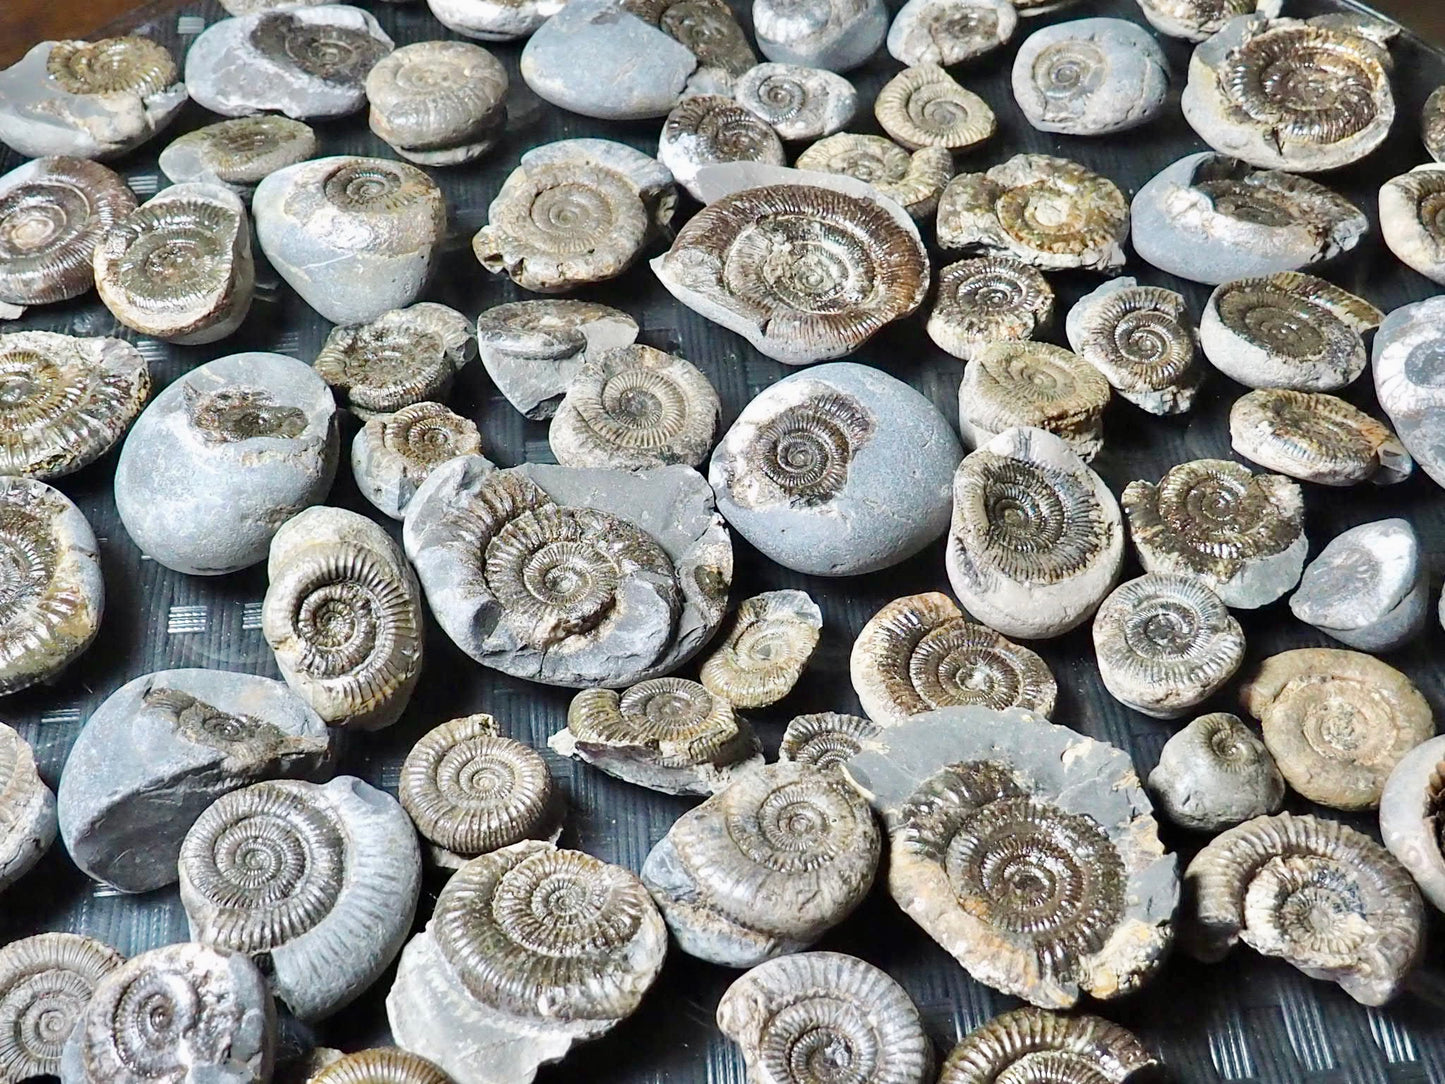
point(1313, 892)
point(827, 739)
point(920, 652)
point(833, 34)
point(812, 1016)
point(945, 32)
point(238, 153)
point(470, 789)
point(1412, 219)
point(402, 357)
point(987, 299)
point(798, 102)
point(1029, 1044)
point(706, 129)
point(1292, 94)
point(1432, 124)
point(925, 107)
point(1143, 341)
point(1023, 383)
point(764, 650)
point(27, 810)
point(914, 180)
point(1165, 642)
point(393, 454)
point(1409, 370)
point(1216, 773)
point(438, 103)
point(1090, 77)
point(52, 213)
point(1196, 20)
point(64, 400)
point(1241, 533)
point(766, 866)
point(1026, 850)
point(1368, 588)
point(1036, 540)
point(1316, 438)
point(1336, 722)
point(635, 407)
point(381, 1065)
point(1049, 212)
point(668, 734)
point(45, 982)
point(1410, 809)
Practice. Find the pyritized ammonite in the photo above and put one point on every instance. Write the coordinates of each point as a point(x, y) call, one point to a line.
point(438, 103)
point(393, 454)
point(914, 180)
point(1023, 383)
point(45, 983)
point(942, 32)
point(1316, 438)
point(1412, 219)
point(827, 739)
point(402, 357)
point(1028, 1044)
point(986, 299)
point(798, 102)
point(1143, 341)
point(764, 651)
point(926, 107)
point(708, 129)
point(381, 1065)
point(27, 809)
point(238, 153)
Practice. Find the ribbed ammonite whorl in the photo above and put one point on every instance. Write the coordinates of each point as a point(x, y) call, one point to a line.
point(131, 64)
point(764, 651)
point(45, 983)
point(381, 1065)
point(986, 299)
point(336, 54)
point(924, 107)
point(825, 740)
point(1030, 1045)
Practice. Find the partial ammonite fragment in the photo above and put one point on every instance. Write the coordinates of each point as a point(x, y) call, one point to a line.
point(1412, 219)
point(1432, 124)
point(1214, 774)
point(988, 299)
point(799, 102)
point(45, 983)
point(946, 32)
point(1368, 588)
point(710, 30)
point(925, 107)
point(1028, 1044)
point(438, 103)
point(402, 357)
point(706, 129)
point(1023, 383)
point(27, 822)
point(1316, 438)
point(1409, 370)
point(1090, 77)
point(1410, 808)
point(380, 1065)
point(239, 153)
point(825, 740)
point(1143, 341)
point(912, 180)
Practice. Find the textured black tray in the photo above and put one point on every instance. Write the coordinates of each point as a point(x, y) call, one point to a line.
point(1245, 1019)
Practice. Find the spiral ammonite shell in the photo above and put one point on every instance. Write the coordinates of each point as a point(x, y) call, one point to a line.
point(381, 1065)
point(1023, 383)
point(1029, 1044)
point(27, 808)
point(238, 153)
point(924, 107)
point(128, 65)
point(1432, 124)
point(375, 191)
point(1143, 341)
point(801, 455)
point(710, 31)
point(825, 1018)
point(1090, 77)
point(45, 983)
point(233, 414)
point(1316, 438)
point(944, 32)
point(438, 102)
point(914, 180)
point(1216, 773)
point(764, 651)
point(987, 299)
point(827, 739)
point(1196, 20)
point(1316, 893)
point(798, 102)
point(403, 357)
point(334, 54)
point(395, 453)
point(1412, 219)
point(706, 129)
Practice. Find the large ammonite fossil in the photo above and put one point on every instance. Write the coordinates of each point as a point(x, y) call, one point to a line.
point(941, 32)
point(986, 299)
point(764, 650)
point(394, 454)
point(766, 866)
point(920, 652)
point(1320, 895)
point(708, 129)
point(913, 180)
point(1292, 94)
point(1316, 438)
point(925, 107)
point(827, 739)
point(815, 1017)
point(804, 273)
point(438, 102)
point(402, 357)
point(1030, 1045)
point(1025, 849)
point(1412, 218)
point(798, 102)
point(45, 983)
point(1022, 383)
point(238, 153)
point(1411, 806)
point(1143, 341)
point(381, 1065)
point(27, 809)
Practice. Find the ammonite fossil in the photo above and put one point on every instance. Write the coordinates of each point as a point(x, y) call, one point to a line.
point(1143, 341)
point(343, 615)
point(1291, 94)
point(798, 102)
point(1368, 588)
point(920, 652)
point(470, 789)
point(635, 407)
point(827, 739)
point(1316, 438)
point(1410, 808)
point(574, 212)
point(179, 267)
point(493, 20)
point(1316, 893)
point(27, 811)
point(402, 357)
point(52, 213)
point(1036, 540)
point(1241, 533)
point(766, 866)
point(45, 982)
point(1022, 383)
point(439, 103)
point(1090, 77)
point(381, 1065)
point(806, 1017)
point(914, 180)
point(924, 107)
point(1028, 1044)
point(710, 30)
point(1336, 722)
point(1409, 369)
point(804, 273)
point(1214, 774)
point(706, 129)
point(1432, 124)
point(1026, 850)
point(764, 650)
point(178, 1011)
point(1048, 212)
point(1164, 643)
point(393, 454)
point(668, 734)
point(238, 153)
point(1412, 219)
point(944, 32)
point(1197, 20)
point(987, 299)
point(833, 34)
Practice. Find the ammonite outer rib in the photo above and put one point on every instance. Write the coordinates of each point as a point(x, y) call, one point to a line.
point(765, 649)
point(1336, 722)
point(1028, 1044)
point(45, 983)
point(27, 809)
point(766, 866)
point(438, 102)
point(799, 102)
point(912, 180)
point(1368, 588)
point(1026, 850)
point(1164, 643)
point(238, 153)
point(1090, 77)
point(1410, 808)
point(947, 32)
point(402, 357)
point(1021, 383)
point(920, 652)
point(1412, 219)
point(835, 34)
point(806, 1016)
point(705, 129)
point(381, 1065)
point(1214, 774)
point(1316, 893)
point(393, 454)
point(1143, 341)
point(985, 299)
point(924, 107)
point(1241, 533)
point(1316, 438)
point(1432, 124)
point(825, 740)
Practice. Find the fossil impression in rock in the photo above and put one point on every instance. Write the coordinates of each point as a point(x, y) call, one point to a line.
point(1313, 892)
point(1198, 20)
point(402, 357)
point(912, 180)
point(493, 20)
point(1165, 643)
point(711, 32)
point(179, 267)
point(1432, 124)
point(766, 866)
point(798, 102)
point(804, 1016)
point(343, 615)
point(1336, 722)
point(1090, 77)
point(1048, 212)
point(66, 400)
point(571, 576)
point(1368, 588)
point(924, 107)
point(764, 650)
point(1412, 219)
point(181, 1012)
point(239, 153)
point(1410, 817)
point(667, 734)
point(705, 129)
point(530, 950)
point(1143, 341)
point(469, 790)
point(635, 407)
point(573, 213)
point(804, 272)
point(438, 103)
point(1409, 368)
point(1316, 438)
point(945, 32)
point(825, 740)
point(987, 299)
point(355, 237)
point(1292, 94)
point(1214, 774)
point(1026, 850)
point(920, 652)
point(45, 982)
point(1241, 533)
point(1022, 383)
point(54, 594)
point(318, 882)
point(380, 1065)
point(1029, 1044)
point(833, 34)
point(1036, 540)
point(393, 454)
point(88, 99)
point(27, 823)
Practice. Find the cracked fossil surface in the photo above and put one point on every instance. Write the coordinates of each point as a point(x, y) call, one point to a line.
point(1216, 773)
point(1090, 77)
point(799, 102)
point(1022, 383)
point(1368, 588)
point(1316, 438)
point(945, 32)
point(238, 153)
point(1143, 341)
